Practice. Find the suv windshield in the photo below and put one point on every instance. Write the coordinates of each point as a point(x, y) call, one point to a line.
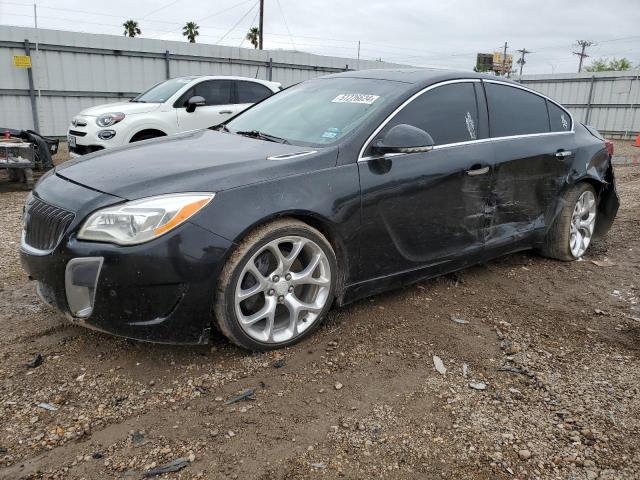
point(163, 91)
point(316, 113)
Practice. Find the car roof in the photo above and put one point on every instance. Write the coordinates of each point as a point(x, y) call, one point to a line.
point(230, 77)
point(421, 76)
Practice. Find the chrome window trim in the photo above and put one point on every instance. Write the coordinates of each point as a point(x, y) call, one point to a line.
point(362, 158)
point(288, 156)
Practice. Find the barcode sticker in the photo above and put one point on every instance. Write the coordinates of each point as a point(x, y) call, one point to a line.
point(355, 98)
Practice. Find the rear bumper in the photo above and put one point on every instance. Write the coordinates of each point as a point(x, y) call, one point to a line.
point(161, 291)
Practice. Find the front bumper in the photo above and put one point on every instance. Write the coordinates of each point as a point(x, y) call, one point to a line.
point(161, 291)
point(87, 140)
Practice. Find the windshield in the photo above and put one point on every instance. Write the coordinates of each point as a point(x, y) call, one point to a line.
point(162, 92)
point(316, 113)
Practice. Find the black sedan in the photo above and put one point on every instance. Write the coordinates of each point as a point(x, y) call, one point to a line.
point(327, 192)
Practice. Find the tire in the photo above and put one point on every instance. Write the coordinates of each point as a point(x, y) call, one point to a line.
point(263, 288)
point(560, 240)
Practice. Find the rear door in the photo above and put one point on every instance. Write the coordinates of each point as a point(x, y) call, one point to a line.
point(534, 146)
point(424, 212)
point(218, 95)
point(249, 93)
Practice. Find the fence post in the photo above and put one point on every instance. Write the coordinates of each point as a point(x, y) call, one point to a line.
point(270, 69)
point(588, 112)
point(32, 90)
point(346, 68)
point(167, 68)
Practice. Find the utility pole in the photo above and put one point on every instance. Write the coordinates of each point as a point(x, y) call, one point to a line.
point(260, 44)
point(584, 44)
point(504, 60)
point(358, 49)
point(523, 52)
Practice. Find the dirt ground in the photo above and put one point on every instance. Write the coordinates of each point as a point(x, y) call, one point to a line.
point(556, 347)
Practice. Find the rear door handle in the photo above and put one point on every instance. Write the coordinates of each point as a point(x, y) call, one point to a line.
point(478, 171)
point(563, 153)
point(225, 112)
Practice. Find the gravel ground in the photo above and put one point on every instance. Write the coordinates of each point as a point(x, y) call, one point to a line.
point(536, 376)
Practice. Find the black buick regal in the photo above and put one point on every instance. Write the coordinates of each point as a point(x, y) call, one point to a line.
point(332, 190)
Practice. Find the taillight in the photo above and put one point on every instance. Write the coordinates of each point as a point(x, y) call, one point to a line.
point(609, 145)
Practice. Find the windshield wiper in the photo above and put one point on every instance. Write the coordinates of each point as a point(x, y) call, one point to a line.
point(137, 101)
point(263, 136)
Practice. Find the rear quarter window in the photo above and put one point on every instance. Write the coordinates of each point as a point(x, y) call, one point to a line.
point(251, 92)
point(560, 120)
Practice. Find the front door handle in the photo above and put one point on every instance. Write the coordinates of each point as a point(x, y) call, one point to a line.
point(225, 112)
point(478, 171)
point(563, 153)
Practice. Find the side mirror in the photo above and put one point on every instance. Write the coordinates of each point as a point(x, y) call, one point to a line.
point(195, 101)
point(404, 138)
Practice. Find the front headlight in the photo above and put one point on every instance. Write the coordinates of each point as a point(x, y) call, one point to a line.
point(108, 119)
point(139, 221)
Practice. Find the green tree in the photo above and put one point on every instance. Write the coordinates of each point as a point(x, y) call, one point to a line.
point(190, 30)
point(254, 36)
point(606, 65)
point(131, 28)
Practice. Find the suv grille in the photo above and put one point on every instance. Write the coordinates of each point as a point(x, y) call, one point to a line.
point(45, 224)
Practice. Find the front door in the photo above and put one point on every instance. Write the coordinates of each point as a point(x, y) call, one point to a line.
point(218, 95)
point(426, 211)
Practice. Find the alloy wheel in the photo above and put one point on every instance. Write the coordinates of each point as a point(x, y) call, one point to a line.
point(282, 289)
point(583, 222)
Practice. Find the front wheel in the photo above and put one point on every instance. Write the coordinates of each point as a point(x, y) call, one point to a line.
point(276, 287)
point(570, 235)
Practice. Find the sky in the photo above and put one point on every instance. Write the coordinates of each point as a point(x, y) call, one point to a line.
point(416, 32)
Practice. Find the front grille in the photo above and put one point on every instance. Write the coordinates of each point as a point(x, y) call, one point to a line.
point(45, 224)
point(77, 133)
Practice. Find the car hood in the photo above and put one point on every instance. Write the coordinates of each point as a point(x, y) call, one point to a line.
point(128, 108)
point(199, 161)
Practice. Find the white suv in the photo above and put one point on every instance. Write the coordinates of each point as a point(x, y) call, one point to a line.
point(176, 105)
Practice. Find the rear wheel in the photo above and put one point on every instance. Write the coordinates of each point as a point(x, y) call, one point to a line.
point(571, 234)
point(277, 287)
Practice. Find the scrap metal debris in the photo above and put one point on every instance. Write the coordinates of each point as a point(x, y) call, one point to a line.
point(459, 320)
point(437, 362)
point(244, 395)
point(478, 385)
point(35, 361)
point(48, 406)
point(174, 466)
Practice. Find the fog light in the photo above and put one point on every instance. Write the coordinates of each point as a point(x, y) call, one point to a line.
point(106, 134)
point(80, 281)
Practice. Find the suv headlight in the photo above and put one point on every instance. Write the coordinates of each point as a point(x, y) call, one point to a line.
point(108, 119)
point(139, 221)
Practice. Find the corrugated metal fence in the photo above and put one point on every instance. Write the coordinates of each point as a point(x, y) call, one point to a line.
point(610, 101)
point(72, 71)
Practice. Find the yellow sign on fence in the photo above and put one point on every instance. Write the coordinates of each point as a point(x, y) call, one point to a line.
point(22, 61)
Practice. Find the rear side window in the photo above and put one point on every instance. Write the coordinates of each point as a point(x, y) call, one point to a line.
point(448, 113)
point(215, 92)
point(513, 111)
point(251, 92)
point(560, 120)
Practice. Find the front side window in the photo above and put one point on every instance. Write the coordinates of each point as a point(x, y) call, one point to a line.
point(318, 112)
point(252, 92)
point(513, 111)
point(449, 113)
point(560, 120)
point(215, 92)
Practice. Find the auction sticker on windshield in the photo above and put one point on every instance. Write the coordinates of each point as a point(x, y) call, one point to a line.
point(355, 98)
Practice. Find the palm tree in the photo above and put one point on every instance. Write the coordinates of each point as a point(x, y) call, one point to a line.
point(253, 36)
point(190, 30)
point(131, 28)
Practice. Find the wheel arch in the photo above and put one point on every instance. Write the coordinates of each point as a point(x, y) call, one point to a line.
point(153, 131)
point(320, 223)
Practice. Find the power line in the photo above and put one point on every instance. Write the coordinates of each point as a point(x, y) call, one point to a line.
point(237, 23)
point(170, 4)
point(293, 43)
